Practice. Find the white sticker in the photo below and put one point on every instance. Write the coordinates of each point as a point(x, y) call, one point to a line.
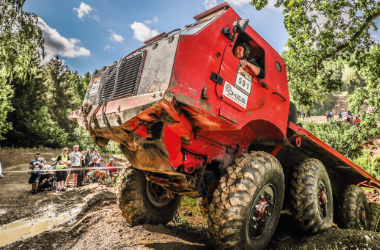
point(244, 81)
point(95, 86)
point(235, 95)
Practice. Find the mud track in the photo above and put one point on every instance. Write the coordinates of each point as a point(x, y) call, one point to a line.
point(98, 224)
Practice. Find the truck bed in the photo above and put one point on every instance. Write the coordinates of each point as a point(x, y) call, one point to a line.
point(334, 161)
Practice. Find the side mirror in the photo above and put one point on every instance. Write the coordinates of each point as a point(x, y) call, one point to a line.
point(240, 26)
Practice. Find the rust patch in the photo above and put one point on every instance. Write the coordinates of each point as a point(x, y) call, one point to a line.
point(249, 112)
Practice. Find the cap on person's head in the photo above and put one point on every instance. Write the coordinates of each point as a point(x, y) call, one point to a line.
point(111, 159)
point(65, 149)
point(37, 155)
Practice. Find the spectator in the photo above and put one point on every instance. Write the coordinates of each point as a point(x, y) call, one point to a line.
point(96, 153)
point(357, 121)
point(76, 162)
point(112, 171)
point(63, 162)
point(36, 164)
point(327, 115)
point(88, 160)
point(81, 172)
point(96, 173)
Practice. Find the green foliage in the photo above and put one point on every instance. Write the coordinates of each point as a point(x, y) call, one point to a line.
point(32, 124)
point(84, 140)
point(323, 30)
point(342, 136)
point(370, 65)
point(20, 42)
point(372, 166)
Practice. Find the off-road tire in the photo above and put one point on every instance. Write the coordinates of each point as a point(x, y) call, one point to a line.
point(374, 217)
point(304, 201)
point(229, 212)
point(348, 208)
point(133, 201)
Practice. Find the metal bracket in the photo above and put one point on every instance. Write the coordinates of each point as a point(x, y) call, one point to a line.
point(226, 32)
point(204, 93)
point(216, 78)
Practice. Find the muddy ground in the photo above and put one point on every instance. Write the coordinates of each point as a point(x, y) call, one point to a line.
point(88, 218)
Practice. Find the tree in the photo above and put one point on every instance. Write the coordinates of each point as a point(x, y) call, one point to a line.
point(20, 41)
point(62, 96)
point(370, 65)
point(32, 125)
point(323, 30)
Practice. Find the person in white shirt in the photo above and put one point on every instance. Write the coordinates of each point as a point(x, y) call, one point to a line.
point(76, 162)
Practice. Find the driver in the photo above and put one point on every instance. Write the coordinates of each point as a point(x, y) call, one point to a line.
point(243, 52)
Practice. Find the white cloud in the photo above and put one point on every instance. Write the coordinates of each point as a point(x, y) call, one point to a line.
point(142, 32)
point(55, 44)
point(115, 37)
point(155, 20)
point(210, 3)
point(108, 47)
point(85, 9)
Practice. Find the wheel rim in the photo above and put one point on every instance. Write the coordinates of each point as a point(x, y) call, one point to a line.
point(322, 198)
point(157, 195)
point(362, 216)
point(261, 211)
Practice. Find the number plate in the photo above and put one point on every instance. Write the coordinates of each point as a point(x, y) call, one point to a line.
point(244, 81)
point(95, 86)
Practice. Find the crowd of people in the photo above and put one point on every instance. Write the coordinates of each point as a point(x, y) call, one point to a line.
point(75, 159)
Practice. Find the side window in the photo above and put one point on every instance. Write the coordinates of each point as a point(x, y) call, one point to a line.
point(257, 52)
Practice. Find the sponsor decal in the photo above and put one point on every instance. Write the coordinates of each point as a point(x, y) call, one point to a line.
point(95, 86)
point(235, 95)
point(244, 81)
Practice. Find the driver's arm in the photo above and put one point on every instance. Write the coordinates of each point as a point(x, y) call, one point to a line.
point(254, 67)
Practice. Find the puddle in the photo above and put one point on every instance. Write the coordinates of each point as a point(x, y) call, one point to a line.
point(27, 228)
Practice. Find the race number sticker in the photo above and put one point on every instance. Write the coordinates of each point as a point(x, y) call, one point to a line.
point(244, 81)
point(235, 95)
point(95, 86)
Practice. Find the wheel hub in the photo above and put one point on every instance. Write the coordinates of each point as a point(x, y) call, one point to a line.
point(159, 196)
point(261, 211)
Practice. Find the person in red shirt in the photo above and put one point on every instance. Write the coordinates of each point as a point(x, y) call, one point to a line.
point(357, 121)
point(112, 171)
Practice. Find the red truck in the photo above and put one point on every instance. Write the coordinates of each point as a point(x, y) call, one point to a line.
point(193, 121)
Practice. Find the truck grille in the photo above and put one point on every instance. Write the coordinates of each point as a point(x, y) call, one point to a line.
point(126, 76)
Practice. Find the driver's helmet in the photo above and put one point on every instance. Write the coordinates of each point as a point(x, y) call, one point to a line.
point(247, 49)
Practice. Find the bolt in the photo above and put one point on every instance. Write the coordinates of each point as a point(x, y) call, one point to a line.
point(257, 206)
point(222, 97)
point(254, 218)
point(254, 227)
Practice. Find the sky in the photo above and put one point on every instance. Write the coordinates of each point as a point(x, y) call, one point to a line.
point(88, 35)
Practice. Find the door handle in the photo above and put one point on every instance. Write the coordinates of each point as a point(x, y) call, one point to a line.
point(275, 93)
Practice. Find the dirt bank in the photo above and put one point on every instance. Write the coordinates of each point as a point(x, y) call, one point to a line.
point(94, 222)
